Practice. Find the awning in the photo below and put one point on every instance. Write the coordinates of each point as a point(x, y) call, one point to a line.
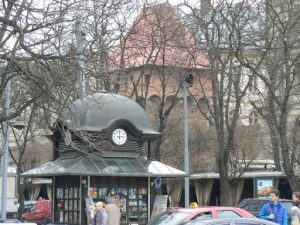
point(94, 165)
point(249, 174)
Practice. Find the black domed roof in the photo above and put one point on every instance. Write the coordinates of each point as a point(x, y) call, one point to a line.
point(101, 110)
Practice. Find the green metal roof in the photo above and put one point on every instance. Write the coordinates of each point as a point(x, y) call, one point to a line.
point(98, 111)
point(94, 165)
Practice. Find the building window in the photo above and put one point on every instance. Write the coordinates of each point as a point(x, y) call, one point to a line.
point(146, 80)
point(253, 86)
point(253, 118)
point(155, 99)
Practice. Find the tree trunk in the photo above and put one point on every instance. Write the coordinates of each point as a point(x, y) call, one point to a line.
point(20, 189)
point(157, 150)
point(275, 144)
point(288, 166)
point(224, 182)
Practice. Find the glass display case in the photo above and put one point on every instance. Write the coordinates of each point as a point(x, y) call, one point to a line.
point(67, 205)
point(138, 205)
point(143, 206)
point(133, 202)
point(133, 205)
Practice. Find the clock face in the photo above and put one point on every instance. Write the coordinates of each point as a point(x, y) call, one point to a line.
point(119, 136)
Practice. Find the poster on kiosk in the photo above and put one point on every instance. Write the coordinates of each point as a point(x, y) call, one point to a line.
point(263, 187)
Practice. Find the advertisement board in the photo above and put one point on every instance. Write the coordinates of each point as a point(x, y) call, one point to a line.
point(263, 186)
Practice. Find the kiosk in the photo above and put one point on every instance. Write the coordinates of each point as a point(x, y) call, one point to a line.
point(101, 149)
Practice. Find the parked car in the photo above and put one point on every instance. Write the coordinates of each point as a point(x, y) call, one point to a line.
point(40, 213)
point(231, 221)
point(176, 216)
point(254, 205)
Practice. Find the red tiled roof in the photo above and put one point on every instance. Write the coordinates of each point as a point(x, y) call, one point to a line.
point(158, 37)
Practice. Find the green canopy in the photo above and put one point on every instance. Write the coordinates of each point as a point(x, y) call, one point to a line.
point(94, 165)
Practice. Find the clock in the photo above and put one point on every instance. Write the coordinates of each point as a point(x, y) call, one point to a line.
point(119, 136)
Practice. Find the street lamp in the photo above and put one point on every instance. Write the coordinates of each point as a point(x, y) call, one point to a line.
point(5, 150)
point(4, 162)
point(187, 82)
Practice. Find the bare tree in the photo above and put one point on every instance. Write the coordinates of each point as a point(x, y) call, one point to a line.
point(30, 57)
point(36, 59)
point(277, 67)
point(220, 32)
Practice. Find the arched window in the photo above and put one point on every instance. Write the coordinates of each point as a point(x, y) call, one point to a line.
point(253, 118)
point(191, 102)
point(171, 99)
point(203, 104)
point(253, 83)
point(154, 99)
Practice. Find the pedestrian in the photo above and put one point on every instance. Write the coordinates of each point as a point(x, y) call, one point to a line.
point(274, 210)
point(113, 211)
point(100, 217)
point(295, 211)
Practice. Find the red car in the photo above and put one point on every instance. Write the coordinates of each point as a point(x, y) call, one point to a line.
point(177, 216)
point(40, 213)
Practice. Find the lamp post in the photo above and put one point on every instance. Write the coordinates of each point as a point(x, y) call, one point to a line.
point(187, 82)
point(79, 34)
point(4, 161)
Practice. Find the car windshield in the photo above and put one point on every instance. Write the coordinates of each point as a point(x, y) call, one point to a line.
point(173, 218)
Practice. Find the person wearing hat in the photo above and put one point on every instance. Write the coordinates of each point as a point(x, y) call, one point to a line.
point(113, 211)
point(100, 217)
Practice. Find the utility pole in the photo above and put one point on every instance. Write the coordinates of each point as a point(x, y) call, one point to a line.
point(79, 34)
point(4, 162)
point(187, 82)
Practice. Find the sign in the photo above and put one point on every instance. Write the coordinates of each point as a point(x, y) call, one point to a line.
point(157, 183)
point(263, 186)
point(159, 206)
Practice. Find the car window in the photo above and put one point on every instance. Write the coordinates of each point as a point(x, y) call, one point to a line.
point(193, 222)
point(203, 215)
point(173, 218)
point(227, 214)
point(32, 209)
point(249, 223)
point(220, 223)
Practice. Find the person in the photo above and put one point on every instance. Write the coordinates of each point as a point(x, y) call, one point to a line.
point(193, 205)
point(274, 210)
point(113, 211)
point(295, 211)
point(100, 217)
